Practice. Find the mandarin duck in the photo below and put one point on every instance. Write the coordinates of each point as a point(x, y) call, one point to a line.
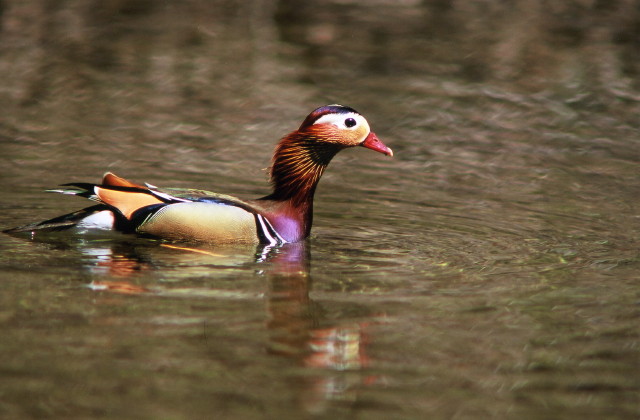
point(283, 216)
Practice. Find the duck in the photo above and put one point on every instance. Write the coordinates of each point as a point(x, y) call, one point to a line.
point(175, 214)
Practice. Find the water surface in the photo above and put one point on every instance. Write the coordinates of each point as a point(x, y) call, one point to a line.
point(490, 269)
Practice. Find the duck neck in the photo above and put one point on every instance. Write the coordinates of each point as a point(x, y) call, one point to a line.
point(298, 164)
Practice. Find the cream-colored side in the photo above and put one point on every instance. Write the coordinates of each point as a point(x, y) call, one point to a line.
point(205, 222)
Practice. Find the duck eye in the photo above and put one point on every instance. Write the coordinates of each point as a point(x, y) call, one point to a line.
point(350, 122)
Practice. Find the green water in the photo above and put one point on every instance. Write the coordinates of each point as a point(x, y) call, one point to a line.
point(489, 270)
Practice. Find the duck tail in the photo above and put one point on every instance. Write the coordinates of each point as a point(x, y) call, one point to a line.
point(98, 216)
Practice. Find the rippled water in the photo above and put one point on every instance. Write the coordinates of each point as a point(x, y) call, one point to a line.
point(490, 269)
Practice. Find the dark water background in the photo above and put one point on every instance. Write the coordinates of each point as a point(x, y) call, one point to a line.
point(489, 270)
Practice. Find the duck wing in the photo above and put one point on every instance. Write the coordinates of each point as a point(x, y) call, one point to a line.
point(171, 213)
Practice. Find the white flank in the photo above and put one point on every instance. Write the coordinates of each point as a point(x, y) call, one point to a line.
point(100, 220)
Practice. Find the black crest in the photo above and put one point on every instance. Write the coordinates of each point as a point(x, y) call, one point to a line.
point(324, 110)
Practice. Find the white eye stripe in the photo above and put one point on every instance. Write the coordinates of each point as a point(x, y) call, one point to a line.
point(339, 120)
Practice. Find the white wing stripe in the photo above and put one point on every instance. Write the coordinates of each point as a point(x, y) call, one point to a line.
point(274, 231)
point(265, 231)
point(167, 196)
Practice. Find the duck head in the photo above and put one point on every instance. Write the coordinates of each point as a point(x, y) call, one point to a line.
point(302, 156)
point(342, 126)
point(300, 159)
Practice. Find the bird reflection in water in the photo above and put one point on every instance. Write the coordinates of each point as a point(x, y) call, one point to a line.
point(331, 353)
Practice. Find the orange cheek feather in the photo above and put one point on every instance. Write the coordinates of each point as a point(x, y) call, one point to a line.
point(351, 137)
point(345, 137)
point(358, 135)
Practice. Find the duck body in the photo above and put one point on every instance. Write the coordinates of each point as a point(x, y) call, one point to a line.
point(283, 216)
